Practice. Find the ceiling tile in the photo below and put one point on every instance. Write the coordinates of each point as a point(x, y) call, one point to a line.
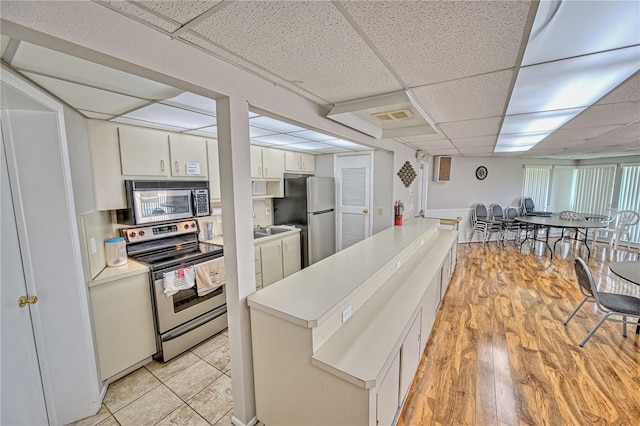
point(476, 150)
point(578, 133)
point(428, 41)
point(421, 138)
point(606, 115)
point(130, 9)
point(626, 92)
point(141, 123)
point(338, 65)
point(428, 146)
point(179, 11)
point(465, 129)
point(87, 98)
point(205, 131)
point(96, 115)
point(452, 151)
point(30, 57)
point(172, 116)
point(559, 144)
point(467, 99)
point(475, 142)
point(254, 132)
point(630, 131)
point(281, 139)
point(193, 102)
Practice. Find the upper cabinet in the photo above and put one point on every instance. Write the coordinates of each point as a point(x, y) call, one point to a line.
point(147, 152)
point(188, 156)
point(266, 163)
point(297, 162)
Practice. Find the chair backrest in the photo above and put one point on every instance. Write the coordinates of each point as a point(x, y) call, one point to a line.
point(568, 214)
point(527, 205)
point(626, 219)
point(511, 212)
point(479, 212)
point(496, 212)
point(585, 279)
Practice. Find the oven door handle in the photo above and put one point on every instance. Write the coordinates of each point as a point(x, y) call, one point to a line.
point(197, 322)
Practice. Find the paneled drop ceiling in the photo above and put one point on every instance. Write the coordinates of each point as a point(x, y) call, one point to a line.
point(486, 77)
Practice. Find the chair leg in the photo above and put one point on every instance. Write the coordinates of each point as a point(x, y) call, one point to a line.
point(594, 329)
point(575, 310)
point(624, 326)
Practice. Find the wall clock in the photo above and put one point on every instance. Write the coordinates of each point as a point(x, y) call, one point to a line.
point(481, 172)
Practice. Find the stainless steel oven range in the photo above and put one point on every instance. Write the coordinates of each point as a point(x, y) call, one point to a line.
point(183, 319)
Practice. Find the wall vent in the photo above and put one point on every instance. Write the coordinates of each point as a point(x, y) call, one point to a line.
point(442, 169)
point(398, 114)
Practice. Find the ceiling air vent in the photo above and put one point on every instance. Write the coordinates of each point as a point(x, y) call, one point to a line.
point(399, 114)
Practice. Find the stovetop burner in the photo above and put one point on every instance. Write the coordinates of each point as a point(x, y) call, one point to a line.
point(180, 255)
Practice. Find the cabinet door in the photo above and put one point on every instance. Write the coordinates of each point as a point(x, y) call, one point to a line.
point(123, 322)
point(188, 156)
point(214, 169)
point(292, 161)
point(430, 304)
point(308, 163)
point(271, 262)
point(144, 152)
point(272, 163)
point(410, 357)
point(291, 254)
point(256, 162)
point(387, 396)
point(258, 267)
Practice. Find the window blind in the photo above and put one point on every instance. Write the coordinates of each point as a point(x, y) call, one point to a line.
point(536, 185)
point(594, 188)
point(562, 188)
point(629, 198)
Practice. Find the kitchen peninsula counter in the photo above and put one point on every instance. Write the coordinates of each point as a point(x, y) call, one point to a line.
point(326, 339)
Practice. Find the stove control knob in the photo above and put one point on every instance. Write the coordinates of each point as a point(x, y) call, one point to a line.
point(141, 233)
point(193, 225)
point(186, 226)
point(132, 234)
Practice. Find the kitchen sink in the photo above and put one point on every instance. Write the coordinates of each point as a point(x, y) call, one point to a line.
point(265, 232)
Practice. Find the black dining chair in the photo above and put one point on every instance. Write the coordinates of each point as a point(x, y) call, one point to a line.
point(609, 303)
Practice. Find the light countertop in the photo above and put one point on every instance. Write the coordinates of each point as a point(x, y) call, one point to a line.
point(112, 273)
point(308, 295)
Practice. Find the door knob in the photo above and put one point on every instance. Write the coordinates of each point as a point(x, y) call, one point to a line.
point(24, 300)
point(365, 211)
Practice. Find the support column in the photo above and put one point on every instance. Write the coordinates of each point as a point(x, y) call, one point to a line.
point(235, 186)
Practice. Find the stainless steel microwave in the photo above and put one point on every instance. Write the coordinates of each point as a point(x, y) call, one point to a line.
point(163, 201)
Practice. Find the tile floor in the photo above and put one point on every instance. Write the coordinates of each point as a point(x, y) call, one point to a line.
point(193, 389)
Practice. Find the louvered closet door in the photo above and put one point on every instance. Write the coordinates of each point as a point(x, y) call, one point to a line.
point(354, 195)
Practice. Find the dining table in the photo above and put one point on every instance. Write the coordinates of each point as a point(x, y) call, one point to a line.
point(629, 271)
point(554, 221)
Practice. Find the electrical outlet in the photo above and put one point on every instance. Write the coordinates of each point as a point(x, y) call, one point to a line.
point(346, 313)
point(380, 211)
point(267, 211)
point(398, 264)
point(93, 246)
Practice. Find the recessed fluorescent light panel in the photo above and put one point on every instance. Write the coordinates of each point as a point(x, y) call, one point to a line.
point(172, 116)
point(567, 66)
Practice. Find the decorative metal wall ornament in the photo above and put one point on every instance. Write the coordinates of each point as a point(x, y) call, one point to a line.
point(407, 174)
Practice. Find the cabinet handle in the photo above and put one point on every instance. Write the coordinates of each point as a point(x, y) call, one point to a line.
point(162, 165)
point(177, 166)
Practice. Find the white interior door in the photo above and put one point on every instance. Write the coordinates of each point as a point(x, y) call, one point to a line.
point(22, 400)
point(354, 199)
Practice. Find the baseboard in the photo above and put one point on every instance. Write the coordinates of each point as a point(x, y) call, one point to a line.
point(236, 422)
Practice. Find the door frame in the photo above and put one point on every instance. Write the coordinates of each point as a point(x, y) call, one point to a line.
point(337, 204)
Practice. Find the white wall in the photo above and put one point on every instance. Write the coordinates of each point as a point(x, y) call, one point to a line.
point(383, 178)
point(408, 195)
point(80, 161)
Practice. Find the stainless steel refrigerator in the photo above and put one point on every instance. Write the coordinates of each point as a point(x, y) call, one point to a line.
point(309, 204)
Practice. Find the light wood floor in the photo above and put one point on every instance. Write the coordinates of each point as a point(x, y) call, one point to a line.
point(500, 355)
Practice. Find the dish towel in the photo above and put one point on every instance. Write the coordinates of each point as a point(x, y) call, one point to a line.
point(209, 276)
point(180, 279)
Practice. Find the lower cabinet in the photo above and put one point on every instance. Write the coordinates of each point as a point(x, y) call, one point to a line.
point(258, 267)
point(387, 401)
point(410, 356)
point(123, 323)
point(279, 258)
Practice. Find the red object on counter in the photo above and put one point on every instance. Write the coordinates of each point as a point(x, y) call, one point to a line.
point(398, 211)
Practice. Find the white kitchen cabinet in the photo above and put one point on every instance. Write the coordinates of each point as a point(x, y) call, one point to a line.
point(266, 163)
point(291, 254)
point(387, 401)
point(277, 258)
point(410, 354)
point(214, 169)
point(144, 152)
point(297, 162)
point(123, 323)
point(430, 304)
point(271, 261)
point(258, 267)
point(188, 156)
